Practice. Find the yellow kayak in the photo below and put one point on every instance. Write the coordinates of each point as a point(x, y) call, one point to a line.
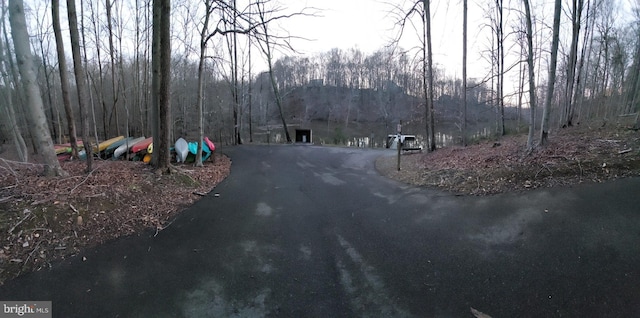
point(103, 145)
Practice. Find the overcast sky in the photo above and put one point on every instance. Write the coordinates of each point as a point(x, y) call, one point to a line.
point(369, 25)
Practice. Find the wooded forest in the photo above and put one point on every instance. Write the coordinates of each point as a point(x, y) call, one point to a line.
point(96, 69)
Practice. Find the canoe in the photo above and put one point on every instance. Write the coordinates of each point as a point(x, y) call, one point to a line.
point(61, 149)
point(193, 149)
point(210, 143)
point(182, 149)
point(66, 148)
point(111, 148)
point(125, 147)
point(141, 145)
point(64, 157)
point(103, 145)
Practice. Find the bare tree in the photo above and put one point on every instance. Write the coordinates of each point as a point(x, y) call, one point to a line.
point(422, 8)
point(266, 45)
point(234, 77)
point(544, 129)
point(576, 15)
point(633, 85)
point(98, 84)
point(209, 7)
point(532, 79)
point(464, 72)
point(81, 85)
point(250, 93)
point(6, 107)
point(161, 64)
point(49, 106)
point(500, 64)
point(34, 106)
point(431, 130)
point(19, 90)
point(112, 58)
point(64, 79)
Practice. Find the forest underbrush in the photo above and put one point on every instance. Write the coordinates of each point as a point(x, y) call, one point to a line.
point(572, 156)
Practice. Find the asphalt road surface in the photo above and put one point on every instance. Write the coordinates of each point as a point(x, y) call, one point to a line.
point(305, 231)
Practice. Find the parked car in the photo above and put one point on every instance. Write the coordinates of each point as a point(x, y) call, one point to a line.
point(408, 142)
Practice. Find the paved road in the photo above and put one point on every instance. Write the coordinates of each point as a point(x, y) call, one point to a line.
point(303, 231)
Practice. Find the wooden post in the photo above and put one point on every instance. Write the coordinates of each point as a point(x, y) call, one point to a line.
point(399, 142)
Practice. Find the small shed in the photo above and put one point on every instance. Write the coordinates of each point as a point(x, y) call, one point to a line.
point(303, 135)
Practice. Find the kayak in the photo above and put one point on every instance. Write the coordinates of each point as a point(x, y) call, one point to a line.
point(182, 149)
point(103, 145)
point(111, 148)
point(64, 157)
point(61, 149)
point(150, 148)
point(66, 148)
point(142, 145)
point(125, 147)
point(210, 143)
point(193, 149)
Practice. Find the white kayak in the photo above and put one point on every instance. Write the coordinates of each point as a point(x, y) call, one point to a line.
point(125, 147)
point(182, 149)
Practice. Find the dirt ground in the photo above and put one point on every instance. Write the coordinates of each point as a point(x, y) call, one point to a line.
point(572, 156)
point(44, 219)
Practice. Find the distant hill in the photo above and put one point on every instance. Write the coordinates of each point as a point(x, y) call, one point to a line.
point(340, 104)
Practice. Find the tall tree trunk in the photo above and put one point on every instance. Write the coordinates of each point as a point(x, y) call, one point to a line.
point(64, 79)
point(573, 53)
point(431, 130)
point(266, 49)
point(8, 116)
point(81, 85)
point(522, 70)
point(112, 59)
point(236, 104)
point(203, 47)
point(155, 75)
point(464, 72)
point(52, 108)
point(532, 79)
point(500, 65)
point(578, 95)
point(34, 106)
point(544, 129)
point(99, 88)
point(13, 70)
point(7, 113)
point(88, 75)
point(250, 96)
point(161, 78)
point(276, 92)
point(634, 83)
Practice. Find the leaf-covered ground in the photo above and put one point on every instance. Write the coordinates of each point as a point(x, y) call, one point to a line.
point(43, 219)
point(572, 156)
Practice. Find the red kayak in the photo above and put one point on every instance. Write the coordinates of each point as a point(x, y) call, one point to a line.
point(210, 144)
point(142, 145)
